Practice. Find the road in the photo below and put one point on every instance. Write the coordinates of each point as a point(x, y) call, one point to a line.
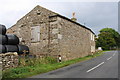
point(104, 66)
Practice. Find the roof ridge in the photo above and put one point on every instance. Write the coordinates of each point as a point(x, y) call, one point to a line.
point(72, 22)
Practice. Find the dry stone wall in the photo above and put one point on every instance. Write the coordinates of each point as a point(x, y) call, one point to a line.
point(8, 60)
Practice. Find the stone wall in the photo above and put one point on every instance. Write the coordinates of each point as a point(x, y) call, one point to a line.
point(39, 16)
point(70, 40)
point(57, 36)
point(8, 60)
point(53, 32)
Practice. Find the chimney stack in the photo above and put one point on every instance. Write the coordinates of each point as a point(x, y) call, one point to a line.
point(73, 18)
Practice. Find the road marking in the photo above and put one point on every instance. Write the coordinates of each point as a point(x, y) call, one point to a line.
point(109, 58)
point(114, 54)
point(95, 67)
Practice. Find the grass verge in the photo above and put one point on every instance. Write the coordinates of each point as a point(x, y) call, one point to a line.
point(27, 71)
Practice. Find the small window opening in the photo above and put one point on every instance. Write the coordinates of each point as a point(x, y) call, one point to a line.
point(38, 13)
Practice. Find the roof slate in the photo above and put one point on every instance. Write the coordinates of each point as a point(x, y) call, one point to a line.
point(72, 22)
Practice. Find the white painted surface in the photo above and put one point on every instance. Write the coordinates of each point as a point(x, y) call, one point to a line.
point(95, 67)
point(99, 48)
point(109, 58)
point(92, 48)
point(35, 33)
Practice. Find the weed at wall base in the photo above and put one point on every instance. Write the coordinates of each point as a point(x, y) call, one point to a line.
point(31, 66)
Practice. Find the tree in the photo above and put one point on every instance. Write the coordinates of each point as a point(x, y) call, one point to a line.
point(108, 39)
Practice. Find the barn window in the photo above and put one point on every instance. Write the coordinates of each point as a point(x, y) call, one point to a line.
point(35, 34)
point(38, 13)
point(91, 37)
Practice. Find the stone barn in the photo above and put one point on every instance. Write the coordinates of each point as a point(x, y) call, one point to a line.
point(47, 32)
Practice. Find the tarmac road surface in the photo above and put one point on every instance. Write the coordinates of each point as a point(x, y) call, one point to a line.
point(104, 66)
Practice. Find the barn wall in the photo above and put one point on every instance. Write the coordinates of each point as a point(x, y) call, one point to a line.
point(39, 16)
point(54, 30)
point(74, 40)
point(57, 35)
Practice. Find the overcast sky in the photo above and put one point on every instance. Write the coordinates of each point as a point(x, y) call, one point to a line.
point(94, 15)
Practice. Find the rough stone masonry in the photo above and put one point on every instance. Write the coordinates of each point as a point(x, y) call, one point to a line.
point(8, 60)
point(47, 32)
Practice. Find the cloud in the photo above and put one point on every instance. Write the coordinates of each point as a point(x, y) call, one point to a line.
point(103, 15)
point(95, 15)
point(80, 0)
point(12, 10)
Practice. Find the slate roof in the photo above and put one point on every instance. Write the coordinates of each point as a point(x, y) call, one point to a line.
point(72, 22)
